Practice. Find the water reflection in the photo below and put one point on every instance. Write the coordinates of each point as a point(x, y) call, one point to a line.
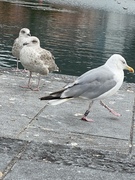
point(79, 38)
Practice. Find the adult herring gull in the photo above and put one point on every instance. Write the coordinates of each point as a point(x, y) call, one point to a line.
point(36, 59)
point(18, 43)
point(95, 84)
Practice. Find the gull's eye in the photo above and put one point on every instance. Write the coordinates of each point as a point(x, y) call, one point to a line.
point(34, 41)
point(123, 62)
point(23, 32)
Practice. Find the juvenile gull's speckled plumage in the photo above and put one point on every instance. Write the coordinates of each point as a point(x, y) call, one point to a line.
point(18, 43)
point(36, 59)
point(96, 84)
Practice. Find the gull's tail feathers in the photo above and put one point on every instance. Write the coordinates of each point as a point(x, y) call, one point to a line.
point(54, 95)
point(55, 98)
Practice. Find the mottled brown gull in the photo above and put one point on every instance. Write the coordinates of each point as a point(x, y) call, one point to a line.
point(36, 59)
point(95, 84)
point(18, 43)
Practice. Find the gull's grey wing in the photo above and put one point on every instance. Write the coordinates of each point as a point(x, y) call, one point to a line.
point(91, 84)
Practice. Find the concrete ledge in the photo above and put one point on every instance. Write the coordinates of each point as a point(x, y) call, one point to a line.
point(57, 135)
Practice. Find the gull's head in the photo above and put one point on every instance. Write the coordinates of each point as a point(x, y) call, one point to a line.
point(32, 41)
point(24, 32)
point(117, 61)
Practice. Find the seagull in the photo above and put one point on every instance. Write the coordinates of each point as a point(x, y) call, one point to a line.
point(96, 84)
point(36, 59)
point(18, 43)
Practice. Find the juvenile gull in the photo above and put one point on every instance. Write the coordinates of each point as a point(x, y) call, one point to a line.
point(18, 43)
point(95, 84)
point(36, 59)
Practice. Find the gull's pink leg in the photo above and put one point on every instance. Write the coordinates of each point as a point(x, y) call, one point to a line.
point(28, 86)
point(109, 109)
point(84, 118)
point(37, 88)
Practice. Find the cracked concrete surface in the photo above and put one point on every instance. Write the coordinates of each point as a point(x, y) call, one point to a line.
point(39, 142)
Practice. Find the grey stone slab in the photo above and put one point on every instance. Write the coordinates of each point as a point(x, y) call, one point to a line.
point(23, 160)
point(17, 105)
point(4, 160)
point(27, 170)
point(133, 138)
point(41, 134)
point(132, 135)
point(8, 149)
point(78, 156)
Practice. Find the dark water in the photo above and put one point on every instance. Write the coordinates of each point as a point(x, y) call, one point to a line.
point(80, 37)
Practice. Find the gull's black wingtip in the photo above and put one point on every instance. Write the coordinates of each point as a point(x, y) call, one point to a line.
point(49, 98)
point(45, 98)
point(41, 98)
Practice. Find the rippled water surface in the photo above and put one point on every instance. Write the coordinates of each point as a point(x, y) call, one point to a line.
point(81, 35)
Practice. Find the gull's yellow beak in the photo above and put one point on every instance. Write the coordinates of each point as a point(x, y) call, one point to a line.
point(130, 69)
